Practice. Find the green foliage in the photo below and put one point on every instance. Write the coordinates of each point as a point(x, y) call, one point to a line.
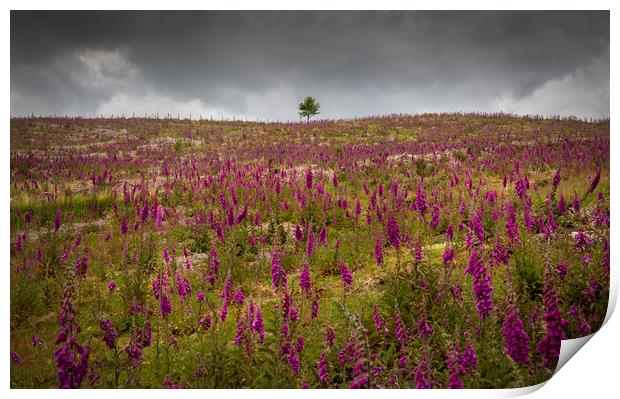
point(201, 242)
point(76, 206)
point(28, 301)
point(529, 268)
point(308, 108)
point(442, 295)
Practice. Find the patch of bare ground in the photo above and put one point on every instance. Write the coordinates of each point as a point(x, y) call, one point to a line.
point(75, 228)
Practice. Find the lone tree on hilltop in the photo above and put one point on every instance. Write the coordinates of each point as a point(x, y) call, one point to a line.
point(309, 107)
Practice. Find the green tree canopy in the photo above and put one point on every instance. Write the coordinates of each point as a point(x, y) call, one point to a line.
point(309, 107)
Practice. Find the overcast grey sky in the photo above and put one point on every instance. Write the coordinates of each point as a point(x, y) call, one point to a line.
point(261, 64)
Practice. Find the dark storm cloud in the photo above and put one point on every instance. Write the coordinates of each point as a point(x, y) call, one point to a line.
point(260, 64)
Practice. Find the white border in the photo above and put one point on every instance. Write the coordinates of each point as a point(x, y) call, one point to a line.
point(593, 372)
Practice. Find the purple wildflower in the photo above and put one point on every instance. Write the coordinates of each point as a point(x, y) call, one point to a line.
point(239, 335)
point(455, 369)
point(469, 359)
point(81, 265)
point(36, 341)
point(582, 240)
point(169, 384)
point(399, 328)
point(476, 225)
point(549, 347)
point(183, 286)
point(304, 279)
point(469, 241)
point(239, 297)
point(298, 233)
point(484, 293)
point(512, 228)
point(299, 347)
point(490, 197)
point(424, 329)
point(475, 263)
point(434, 217)
point(284, 332)
point(214, 265)
point(576, 203)
point(166, 256)
point(285, 306)
point(561, 269)
point(224, 311)
point(243, 214)
point(556, 179)
point(310, 244)
point(358, 208)
point(205, 321)
point(594, 182)
point(70, 371)
point(293, 362)
point(19, 244)
point(258, 326)
point(330, 336)
point(521, 187)
point(314, 311)
point(605, 259)
point(160, 284)
point(15, 358)
point(448, 254)
point(417, 251)
point(579, 319)
point(403, 361)
point(516, 340)
point(276, 269)
point(322, 368)
point(500, 254)
point(226, 293)
point(379, 322)
point(123, 225)
point(393, 231)
point(159, 215)
point(294, 314)
point(164, 304)
point(323, 236)
point(345, 275)
point(110, 333)
point(421, 373)
point(309, 179)
point(562, 207)
point(450, 232)
point(420, 199)
point(360, 381)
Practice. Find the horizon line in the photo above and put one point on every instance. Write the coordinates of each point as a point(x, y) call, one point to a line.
point(221, 118)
